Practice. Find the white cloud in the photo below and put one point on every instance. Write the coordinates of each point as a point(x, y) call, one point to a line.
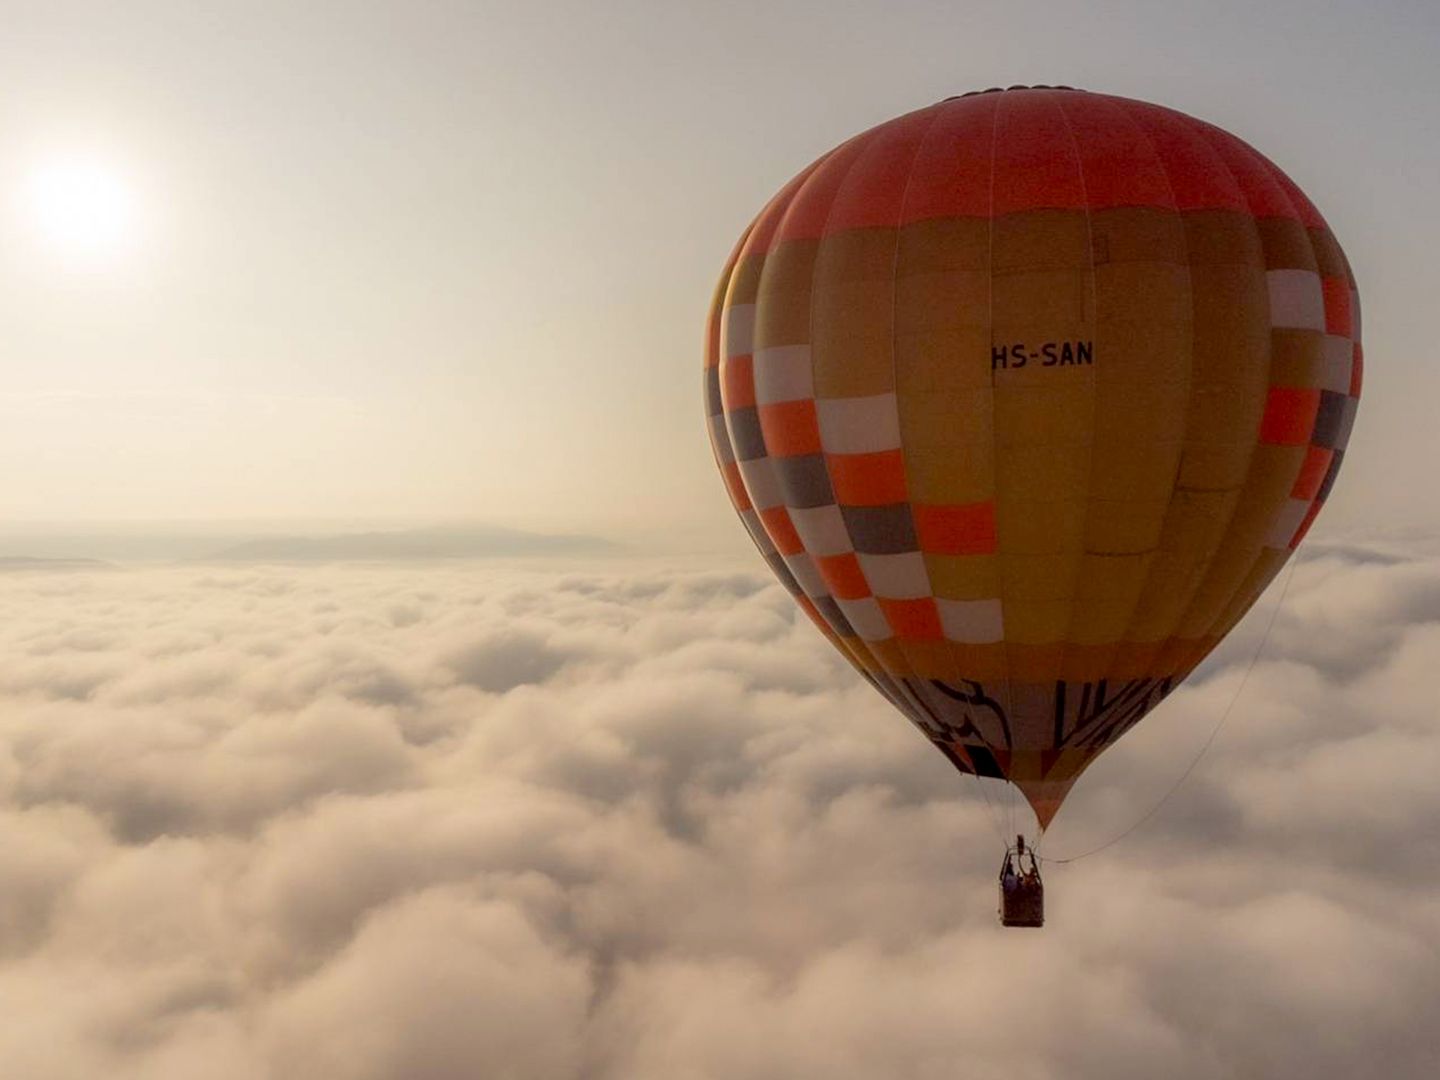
point(618, 823)
point(458, 980)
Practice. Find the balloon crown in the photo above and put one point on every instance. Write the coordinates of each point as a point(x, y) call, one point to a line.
point(1017, 86)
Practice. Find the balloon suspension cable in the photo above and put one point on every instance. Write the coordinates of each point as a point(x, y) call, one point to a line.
point(1214, 732)
point(1014, 812)
point(995, 813)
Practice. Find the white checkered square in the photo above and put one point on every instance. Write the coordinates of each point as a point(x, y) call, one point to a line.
point(1286, 524)
point(802, 567)
point(896, 577)
point(866, 618)
point(1337, 357)
point(761, 483)
point(821, 529)
point(972, 622)
point(1297, 300)
point(737, 333)
point(783, 373)
point(862, 425)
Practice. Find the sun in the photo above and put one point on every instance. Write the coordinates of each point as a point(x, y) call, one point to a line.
point(82, 210)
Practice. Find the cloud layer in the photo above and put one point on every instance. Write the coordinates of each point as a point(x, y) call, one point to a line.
point(621, 822)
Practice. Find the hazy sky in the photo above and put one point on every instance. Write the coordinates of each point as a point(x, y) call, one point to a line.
point(436, 260)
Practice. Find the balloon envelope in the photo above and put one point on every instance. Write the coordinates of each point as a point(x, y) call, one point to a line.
point(1026, 397)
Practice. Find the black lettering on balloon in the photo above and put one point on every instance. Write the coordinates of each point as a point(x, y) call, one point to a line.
point(1101, 715)
point(972, 695)
point(1047, 354)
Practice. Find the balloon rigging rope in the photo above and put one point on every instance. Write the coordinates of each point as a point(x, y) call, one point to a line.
point(994, 813)
point(1214, 732)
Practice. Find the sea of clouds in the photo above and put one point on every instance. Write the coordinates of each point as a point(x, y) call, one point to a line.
point(626, 821)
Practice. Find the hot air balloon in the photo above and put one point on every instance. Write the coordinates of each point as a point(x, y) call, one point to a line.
point(1025, 397)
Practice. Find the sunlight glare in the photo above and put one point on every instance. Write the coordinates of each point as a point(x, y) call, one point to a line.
point(81, 209)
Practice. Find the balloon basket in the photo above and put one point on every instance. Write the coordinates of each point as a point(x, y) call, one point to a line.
point(1022, 893)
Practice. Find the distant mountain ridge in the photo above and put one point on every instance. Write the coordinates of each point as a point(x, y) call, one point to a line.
point(452, 542)
point(30, 562)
